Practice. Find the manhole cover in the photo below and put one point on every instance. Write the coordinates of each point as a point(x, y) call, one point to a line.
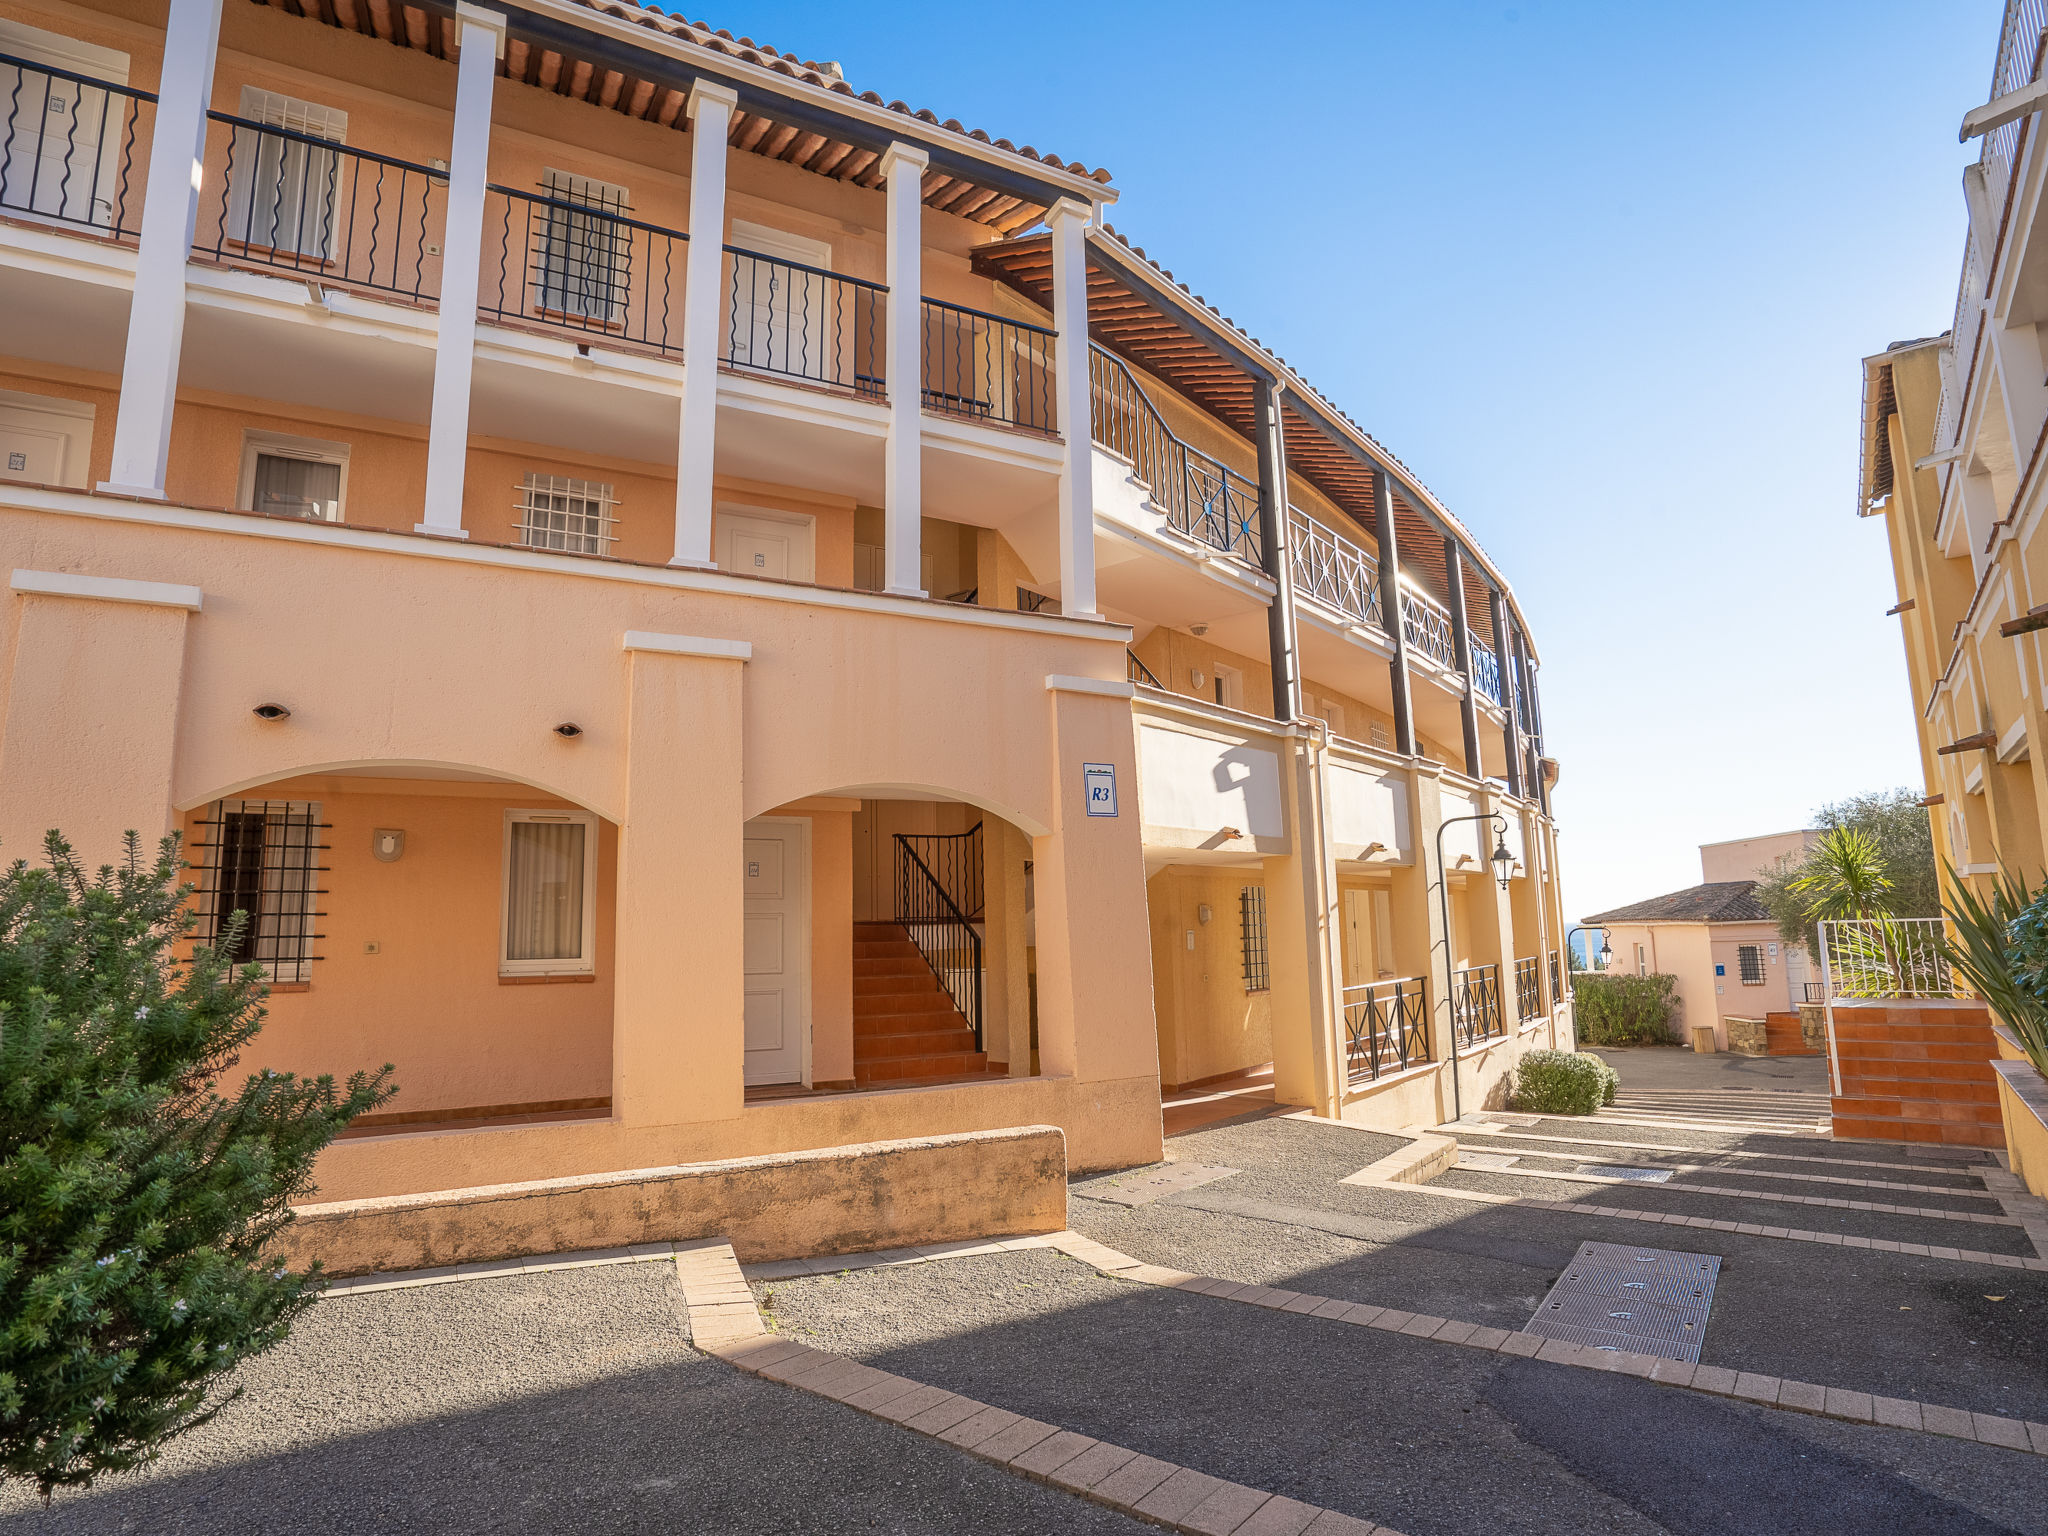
point(1652, 1301)
point(1143, 1188)
point(1495, 1117)
point(1487, 1159)
point(1633, 1175)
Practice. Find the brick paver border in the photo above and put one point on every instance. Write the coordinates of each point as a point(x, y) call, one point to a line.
point(1770, 1391)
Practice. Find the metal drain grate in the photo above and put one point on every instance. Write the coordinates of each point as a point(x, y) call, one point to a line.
point(1487, 1159)
point(1497, 1117)
point(1633, 1175)
point(1652, 1301)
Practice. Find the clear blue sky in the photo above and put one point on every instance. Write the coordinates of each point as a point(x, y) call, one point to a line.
point(1601, 274)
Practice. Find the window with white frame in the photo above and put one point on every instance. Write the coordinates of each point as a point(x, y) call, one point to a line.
point(583, 268)
point(283, 189)
point(550, 925)
point(575, 516)
point(261, 858)
point(1642, 961)
point(294, 476)
point(1749, 964)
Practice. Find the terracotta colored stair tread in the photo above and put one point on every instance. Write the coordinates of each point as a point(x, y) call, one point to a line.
point(905, 1026)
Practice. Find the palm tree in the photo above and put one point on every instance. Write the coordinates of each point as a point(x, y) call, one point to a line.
point(1844, 880)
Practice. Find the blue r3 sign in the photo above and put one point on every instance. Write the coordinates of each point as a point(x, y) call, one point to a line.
point(1099, 782)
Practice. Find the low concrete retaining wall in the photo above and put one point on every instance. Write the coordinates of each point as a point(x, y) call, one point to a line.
point(790, 1205)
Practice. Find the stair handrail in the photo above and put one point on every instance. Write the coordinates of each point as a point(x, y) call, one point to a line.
point(1200, 495)
point(928, 906)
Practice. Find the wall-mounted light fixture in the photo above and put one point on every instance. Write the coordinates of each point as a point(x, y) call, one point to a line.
point(1203, 913)
point(569, 730)
point(271, 712)
point(387, 845)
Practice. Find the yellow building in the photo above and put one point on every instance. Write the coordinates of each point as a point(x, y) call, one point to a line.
point(1953, 433)
point(616, 547)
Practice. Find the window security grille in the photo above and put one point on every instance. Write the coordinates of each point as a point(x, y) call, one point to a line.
point(1749, 961)
point(262, 857)
point(575, 516)
point(1251, 913)
point(585, 258)
point(284, 199)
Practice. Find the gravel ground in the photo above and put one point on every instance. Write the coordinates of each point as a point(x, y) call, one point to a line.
point(1431, 1439)
point(560, 1402)
point(1662, 1069)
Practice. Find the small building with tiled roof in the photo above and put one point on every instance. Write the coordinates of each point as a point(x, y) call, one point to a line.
point(1717, 938)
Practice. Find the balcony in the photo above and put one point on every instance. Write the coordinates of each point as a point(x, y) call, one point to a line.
point(564, 264)
point(1386, 1027)
point(67, 153)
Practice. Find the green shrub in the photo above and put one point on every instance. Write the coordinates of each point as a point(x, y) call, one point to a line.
point(1563, 1083)
point(1611, 1008)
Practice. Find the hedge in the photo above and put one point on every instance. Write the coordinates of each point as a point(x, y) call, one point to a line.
point(1613, 1008)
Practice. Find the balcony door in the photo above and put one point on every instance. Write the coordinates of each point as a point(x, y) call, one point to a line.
point(583, 257)
point(62, 142)
point(779, 307)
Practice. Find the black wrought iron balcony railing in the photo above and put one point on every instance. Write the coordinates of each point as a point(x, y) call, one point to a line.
point(1386, 1026)
point(1427, 626)
point(572, 265)
point(1528, 989)
point(1201, 497)
point(67, 148)
point(1475, 1004)
point(1486, 669)
point(325, 211)
point(803, 323)
point(987, 368)
point(1557, 974)
point(1333, 570)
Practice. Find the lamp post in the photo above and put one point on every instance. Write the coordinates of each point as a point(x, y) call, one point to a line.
point(1504, 862)
point(1606, 952)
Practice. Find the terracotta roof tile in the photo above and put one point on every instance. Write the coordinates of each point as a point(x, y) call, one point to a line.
point(1724, 901)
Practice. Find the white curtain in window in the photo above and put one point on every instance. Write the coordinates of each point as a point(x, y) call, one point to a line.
point(544, 903)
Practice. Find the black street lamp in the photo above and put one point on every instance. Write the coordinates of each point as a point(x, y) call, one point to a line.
point(1504, 863)
point(1606, 951)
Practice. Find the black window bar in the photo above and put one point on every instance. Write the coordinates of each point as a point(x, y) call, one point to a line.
point(1251, 918)
point(570, 259)
point(1386, 1026)
point(1557, 993)
point(67, 146)
point(941, 929)
point(262, 858)
point(1475, 1003)
point(1749, 962)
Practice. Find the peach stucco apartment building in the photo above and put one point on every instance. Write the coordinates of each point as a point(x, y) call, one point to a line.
point(623, 553)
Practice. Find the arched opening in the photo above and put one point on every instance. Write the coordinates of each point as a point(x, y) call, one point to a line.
point(451, 921)
point(889, 943)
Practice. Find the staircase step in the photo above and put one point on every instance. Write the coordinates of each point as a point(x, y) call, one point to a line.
point(876, 1026)
point(869, 1005)
point(904, 982)
point(911, 966)
point(1857, 1126)
point(901, 949)
point(943, 1042)
point(910, 1068)
point(877, 931)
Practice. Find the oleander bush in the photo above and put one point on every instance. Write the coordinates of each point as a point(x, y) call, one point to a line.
point(1563, 1083)
point(1611, 1008)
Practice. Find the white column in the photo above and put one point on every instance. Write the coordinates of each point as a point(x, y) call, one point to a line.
point(1069, 221)
point(462, 252)
point(170, 209)
point(710, 109)
point(903, 168)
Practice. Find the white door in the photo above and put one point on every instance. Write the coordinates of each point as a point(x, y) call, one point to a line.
point(775, 950)
point(757, 543)
point(61, 155)
point(44, 441)
point(779, 309)
point(1795, 973)
point(1357, 938)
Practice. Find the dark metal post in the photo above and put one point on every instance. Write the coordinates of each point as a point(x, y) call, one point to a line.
point(1443, 892)
point(1538, 790)
point(1390, 608)
point(1504, 653)
point(1275, 554)
point(1461, 635)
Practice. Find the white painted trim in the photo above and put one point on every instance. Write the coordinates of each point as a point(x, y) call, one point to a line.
point(586, 963)
point(2000, 110)
point(107, 589)
point(710, 110)
point(2009, 744)
point(903, 170)
point(393, 542)
point(314, 450)
point(1108, 690)
point(688, 645)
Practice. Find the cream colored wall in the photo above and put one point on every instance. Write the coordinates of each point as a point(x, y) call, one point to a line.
point(1209, 1024)
point(1747, 858)
point(430, 1000)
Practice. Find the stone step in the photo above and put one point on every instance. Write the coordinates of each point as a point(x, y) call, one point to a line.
point(902, 1000)
point(902, 1069)
point(1853, 1124)
point(941, 1042)
point(877, 1026)
point(908, 965)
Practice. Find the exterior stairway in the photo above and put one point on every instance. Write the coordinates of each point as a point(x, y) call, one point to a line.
point(905, 1027)
point(1917, 1071)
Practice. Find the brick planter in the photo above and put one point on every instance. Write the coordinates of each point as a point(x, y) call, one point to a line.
point(1917, 1071)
